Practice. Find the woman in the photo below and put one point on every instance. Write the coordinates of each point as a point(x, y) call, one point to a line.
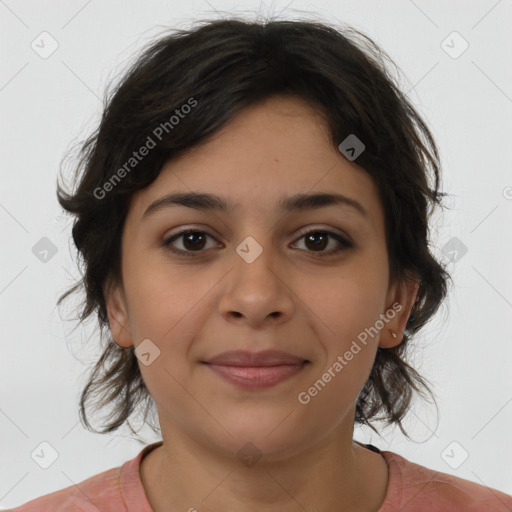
point(252, 215)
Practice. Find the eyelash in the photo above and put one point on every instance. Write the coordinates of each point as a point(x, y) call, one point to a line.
point(345, 244)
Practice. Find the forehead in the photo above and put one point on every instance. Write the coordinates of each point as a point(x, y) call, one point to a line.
point(269, 151)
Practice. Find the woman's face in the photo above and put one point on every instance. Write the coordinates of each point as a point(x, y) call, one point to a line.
point(251, 279)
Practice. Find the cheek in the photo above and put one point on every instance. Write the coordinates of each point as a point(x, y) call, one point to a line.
point(166, 308)
point(344, 306)
point(168, 304)
point(349, 345)
point(344, 313)
point(159, 295)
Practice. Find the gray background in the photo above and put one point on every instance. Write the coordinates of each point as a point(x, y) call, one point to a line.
point(48, 103)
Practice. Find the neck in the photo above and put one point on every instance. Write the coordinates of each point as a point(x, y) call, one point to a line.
point(336, 474)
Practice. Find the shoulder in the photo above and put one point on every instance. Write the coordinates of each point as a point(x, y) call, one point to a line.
point(109, 491)
point(99, 492)
point(415, 487)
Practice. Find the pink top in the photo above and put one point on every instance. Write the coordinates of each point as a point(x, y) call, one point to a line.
point(411, 488)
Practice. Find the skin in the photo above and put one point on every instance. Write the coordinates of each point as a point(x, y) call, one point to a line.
point(288, 298)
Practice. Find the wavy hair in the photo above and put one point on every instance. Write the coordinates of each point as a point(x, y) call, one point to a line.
point(225, 66)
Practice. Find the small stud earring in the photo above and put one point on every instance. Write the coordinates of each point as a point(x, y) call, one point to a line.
point(393, 334)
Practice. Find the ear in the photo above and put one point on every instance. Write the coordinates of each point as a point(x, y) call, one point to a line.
point(402, 295)
point(118, 315)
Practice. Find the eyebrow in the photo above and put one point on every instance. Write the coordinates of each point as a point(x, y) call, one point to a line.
point(210, 202)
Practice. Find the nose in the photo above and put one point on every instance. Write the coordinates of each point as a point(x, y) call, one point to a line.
point(257, 290)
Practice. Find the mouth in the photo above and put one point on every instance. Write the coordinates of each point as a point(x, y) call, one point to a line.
point(256, 369)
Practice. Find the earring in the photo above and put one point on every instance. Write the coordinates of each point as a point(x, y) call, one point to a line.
point(393, 334)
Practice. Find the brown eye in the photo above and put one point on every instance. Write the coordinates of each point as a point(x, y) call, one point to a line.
point(317, 240)
point(191, 240)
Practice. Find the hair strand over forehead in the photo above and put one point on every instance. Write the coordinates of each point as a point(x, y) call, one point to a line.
point(225, 66)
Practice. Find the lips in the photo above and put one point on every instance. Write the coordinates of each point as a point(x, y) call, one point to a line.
point(252, 370)
point(265, 358)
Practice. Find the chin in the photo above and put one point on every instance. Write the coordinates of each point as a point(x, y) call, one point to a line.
point(258, 435)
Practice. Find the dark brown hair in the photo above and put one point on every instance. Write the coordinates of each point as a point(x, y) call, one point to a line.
point(221, 67)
